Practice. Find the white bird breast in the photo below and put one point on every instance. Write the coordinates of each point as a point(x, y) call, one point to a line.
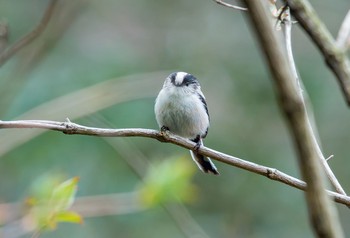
point(181, 110)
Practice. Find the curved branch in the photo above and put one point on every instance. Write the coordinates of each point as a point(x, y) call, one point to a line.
point(220, 2)
point(335, 57)
point(25, 40)
point(73, 128)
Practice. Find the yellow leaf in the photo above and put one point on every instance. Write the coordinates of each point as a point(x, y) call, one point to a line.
point(69, 216)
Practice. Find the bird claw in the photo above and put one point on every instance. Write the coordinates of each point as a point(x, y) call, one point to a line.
point(164, 129)
point(197, 146)
point(198, 142)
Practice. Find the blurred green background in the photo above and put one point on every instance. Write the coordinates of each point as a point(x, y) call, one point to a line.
point(102, 63)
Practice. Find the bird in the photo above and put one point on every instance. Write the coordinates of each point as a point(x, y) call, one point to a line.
point(181, 108)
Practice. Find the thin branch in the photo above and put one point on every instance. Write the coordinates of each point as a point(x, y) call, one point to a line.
point(335, 57)
point(220, 2)
point(25, 40)
point(343, 39)
point(287, 23)
point(321, 212)
point(329, 157)
point(73, 128)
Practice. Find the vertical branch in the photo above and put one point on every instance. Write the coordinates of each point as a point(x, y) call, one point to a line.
point(322, 213)
point(288, 41)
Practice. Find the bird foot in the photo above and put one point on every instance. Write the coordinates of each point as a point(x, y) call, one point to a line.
point(164, 129)
point(198, 142)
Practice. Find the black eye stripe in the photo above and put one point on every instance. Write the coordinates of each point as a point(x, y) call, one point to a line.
point(183, 79)
point(189, 79)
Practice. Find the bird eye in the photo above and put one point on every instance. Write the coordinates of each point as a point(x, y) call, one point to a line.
point(187, 84)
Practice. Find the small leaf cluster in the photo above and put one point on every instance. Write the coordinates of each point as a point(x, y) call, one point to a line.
point(169, 181)
point(50, 202)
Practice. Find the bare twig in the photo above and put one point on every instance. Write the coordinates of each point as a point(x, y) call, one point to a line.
point(343, 39)
point(287, 33)
point(288, 41)
point(335, 58)
point(25, 40)
point(329, 157)
point(84, 102)
point(73, 128)
point(220, 2)
point(321, 212)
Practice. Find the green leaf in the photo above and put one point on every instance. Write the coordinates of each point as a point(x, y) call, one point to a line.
point(49, 204)
point(63, 195)
point(169, 181)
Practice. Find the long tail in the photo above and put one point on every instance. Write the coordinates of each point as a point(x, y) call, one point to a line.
point(204, 163)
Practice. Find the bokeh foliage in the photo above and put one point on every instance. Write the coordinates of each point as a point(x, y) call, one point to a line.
point(132, 46)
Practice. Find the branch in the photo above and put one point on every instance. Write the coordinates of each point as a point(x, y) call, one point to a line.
point(73, 128)
point(287, 23)
point(334, 56)
point(322, 213)
point(25, 40)
point(111, 204)
point(220, 2)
